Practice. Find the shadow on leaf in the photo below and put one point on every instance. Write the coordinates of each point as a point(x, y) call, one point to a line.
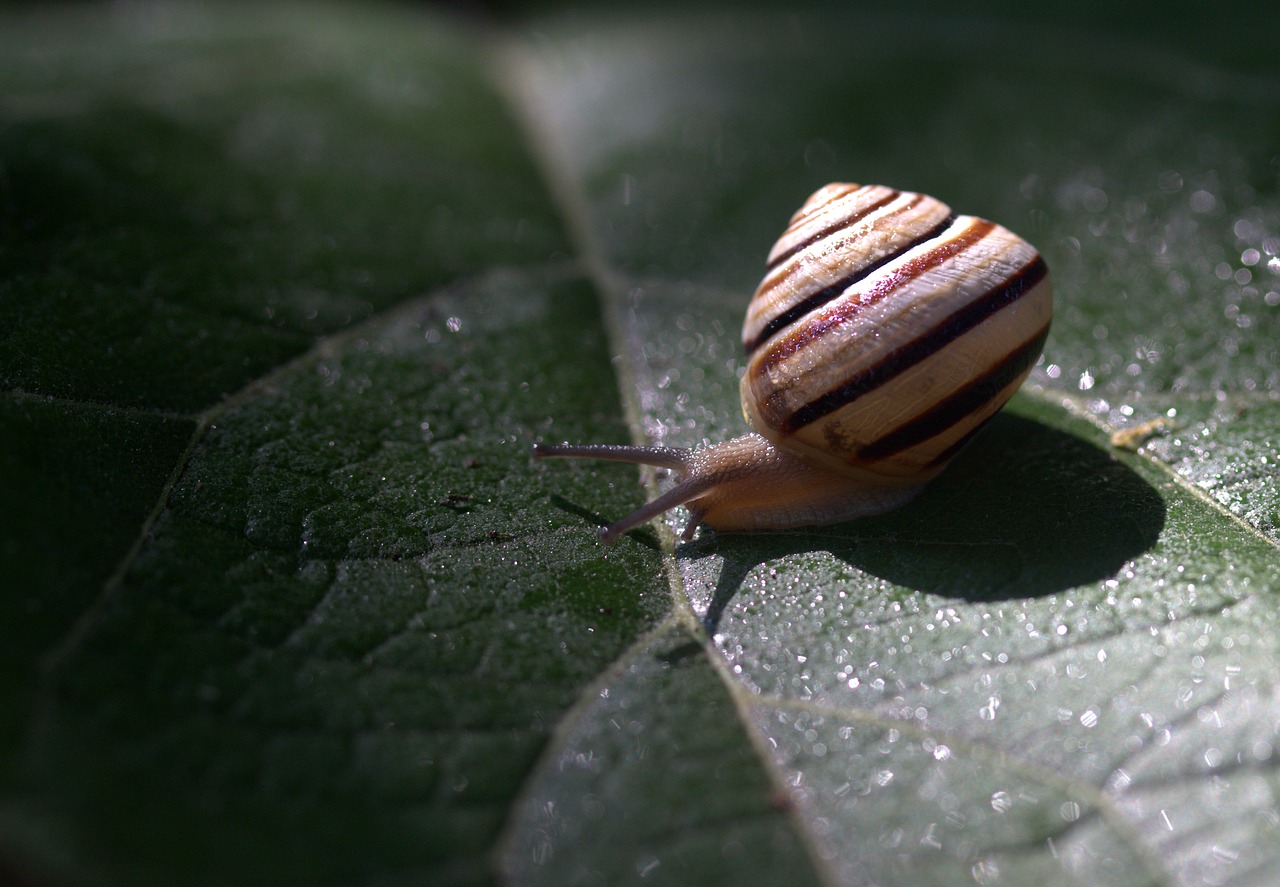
point(644, 535)
point(1025, 511)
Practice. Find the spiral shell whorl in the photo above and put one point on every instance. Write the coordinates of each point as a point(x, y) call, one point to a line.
point(887, 331)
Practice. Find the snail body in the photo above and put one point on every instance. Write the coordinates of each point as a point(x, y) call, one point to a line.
point(887, 331)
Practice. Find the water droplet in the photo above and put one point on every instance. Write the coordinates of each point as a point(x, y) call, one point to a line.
point(1202, 202)
point(985, 871)
point(1224, 854)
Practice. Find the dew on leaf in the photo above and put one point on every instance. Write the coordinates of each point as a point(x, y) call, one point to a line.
point(985, 871)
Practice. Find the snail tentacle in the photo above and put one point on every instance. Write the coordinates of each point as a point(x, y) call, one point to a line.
point(661, 457)
point(677, 459)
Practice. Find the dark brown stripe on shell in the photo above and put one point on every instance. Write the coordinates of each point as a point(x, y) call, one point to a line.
point(828, 293)
point(967, 400)
point(838, 224)
point(950, 452)
point(921, 347)
point(781, 276)
point(809, 208)
point(817, 327)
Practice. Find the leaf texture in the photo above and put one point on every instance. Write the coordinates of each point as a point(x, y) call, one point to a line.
point(292, 605)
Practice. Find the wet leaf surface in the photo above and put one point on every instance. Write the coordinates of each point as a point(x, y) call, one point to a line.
point(293, 606)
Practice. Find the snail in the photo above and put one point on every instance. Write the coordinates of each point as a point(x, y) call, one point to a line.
point(887, 331)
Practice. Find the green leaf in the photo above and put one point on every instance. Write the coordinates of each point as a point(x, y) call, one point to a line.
point(288, 292)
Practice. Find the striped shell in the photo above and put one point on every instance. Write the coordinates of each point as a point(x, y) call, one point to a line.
point(888, 330)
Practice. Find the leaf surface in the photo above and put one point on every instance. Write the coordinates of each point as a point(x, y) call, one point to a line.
point(295, 607)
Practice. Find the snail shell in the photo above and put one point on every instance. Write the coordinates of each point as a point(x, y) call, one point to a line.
point(887, 331)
